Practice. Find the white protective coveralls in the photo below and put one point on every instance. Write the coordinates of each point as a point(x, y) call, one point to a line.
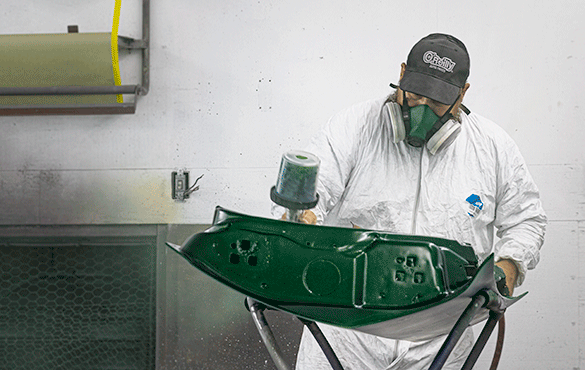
point(462, 192)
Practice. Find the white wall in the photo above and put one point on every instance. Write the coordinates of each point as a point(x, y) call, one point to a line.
point(235, 84)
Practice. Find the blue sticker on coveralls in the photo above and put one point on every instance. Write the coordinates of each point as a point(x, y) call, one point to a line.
point(475, 205)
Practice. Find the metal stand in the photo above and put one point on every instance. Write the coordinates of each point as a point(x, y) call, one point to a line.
point(480, 300)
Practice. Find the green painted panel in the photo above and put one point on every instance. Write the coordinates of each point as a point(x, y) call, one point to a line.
point(401, 286)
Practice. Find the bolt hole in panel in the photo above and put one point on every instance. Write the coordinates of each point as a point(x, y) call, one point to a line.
point(234, 258)
point(245, 245)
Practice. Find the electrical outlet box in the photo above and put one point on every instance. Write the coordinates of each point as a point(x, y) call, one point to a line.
point(179, 184)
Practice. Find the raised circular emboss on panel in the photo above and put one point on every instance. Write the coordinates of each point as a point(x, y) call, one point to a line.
point(321, 277)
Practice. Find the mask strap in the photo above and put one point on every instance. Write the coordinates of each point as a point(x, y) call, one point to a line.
point(441, 121)
point(405, 112)
point(465, 109)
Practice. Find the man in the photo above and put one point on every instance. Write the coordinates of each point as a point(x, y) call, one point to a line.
point(418, 162)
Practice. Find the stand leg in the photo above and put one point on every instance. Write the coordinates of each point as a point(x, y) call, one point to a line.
point(482, 340)
point(464, 320)
point(266, 334)
point(323, 343)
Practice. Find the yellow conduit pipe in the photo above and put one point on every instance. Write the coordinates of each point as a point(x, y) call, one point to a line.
point(115, 61)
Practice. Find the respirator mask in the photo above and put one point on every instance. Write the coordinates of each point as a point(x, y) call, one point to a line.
point(419, 125)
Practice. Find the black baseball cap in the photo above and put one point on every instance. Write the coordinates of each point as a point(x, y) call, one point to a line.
point(437, 68)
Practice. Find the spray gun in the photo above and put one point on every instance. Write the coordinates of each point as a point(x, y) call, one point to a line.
point(295, 190)
point(296, 184)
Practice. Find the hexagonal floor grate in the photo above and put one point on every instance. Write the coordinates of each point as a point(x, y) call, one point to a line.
point(78, 303)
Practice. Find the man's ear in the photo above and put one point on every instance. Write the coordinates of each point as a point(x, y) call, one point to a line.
point(402, 69)
point(464, 90)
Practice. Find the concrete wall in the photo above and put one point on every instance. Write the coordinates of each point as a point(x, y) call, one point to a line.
point(235, 84)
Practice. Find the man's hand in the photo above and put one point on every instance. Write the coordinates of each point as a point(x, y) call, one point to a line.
point(511, 272)
point(307, 217)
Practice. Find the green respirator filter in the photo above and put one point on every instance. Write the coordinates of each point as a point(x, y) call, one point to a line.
point(422, 119)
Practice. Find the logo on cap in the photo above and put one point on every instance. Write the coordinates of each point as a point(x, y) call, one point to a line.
point(435, 61)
